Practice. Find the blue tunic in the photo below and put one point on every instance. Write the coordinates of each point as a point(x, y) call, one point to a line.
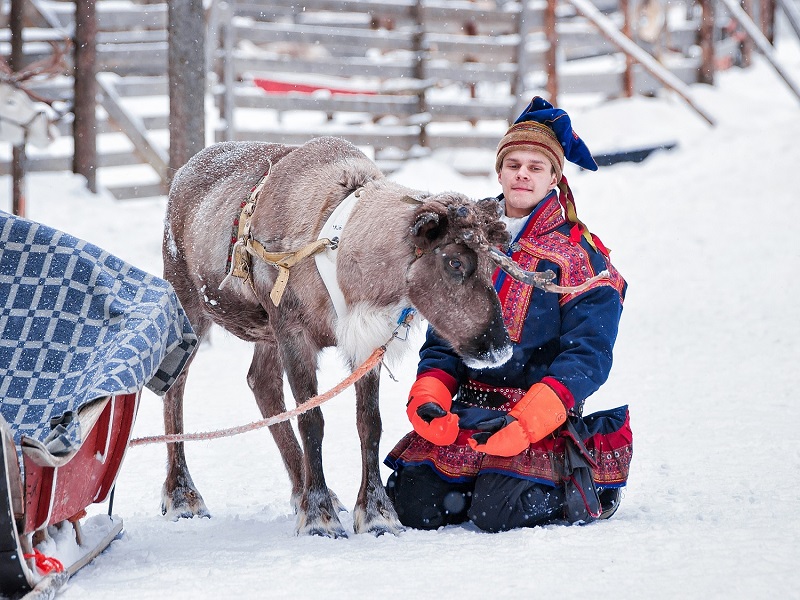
point(565, 340)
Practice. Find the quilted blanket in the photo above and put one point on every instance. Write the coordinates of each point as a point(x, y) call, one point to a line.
point(78, 324)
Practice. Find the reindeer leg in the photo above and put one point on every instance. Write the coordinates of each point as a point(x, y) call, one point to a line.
point(374, 512)
point(179, 496)
point(317, 512)
point(265, 378)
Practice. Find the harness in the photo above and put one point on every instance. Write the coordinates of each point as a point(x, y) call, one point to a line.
point(326, 260)
point(244, 246)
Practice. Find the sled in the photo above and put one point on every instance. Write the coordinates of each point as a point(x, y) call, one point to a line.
point(305, 84)
point(634, 155)
point(82, 333)
point(43, 504)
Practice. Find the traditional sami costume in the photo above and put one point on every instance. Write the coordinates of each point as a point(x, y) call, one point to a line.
point(562, 340)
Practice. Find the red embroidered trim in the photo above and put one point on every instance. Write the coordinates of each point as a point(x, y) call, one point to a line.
point(612, 453)
point(573, 263)
point(515, 298)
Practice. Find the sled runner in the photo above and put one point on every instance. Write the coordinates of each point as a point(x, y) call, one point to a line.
point(81, 334)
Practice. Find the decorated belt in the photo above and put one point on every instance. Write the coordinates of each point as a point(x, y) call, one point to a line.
point(474, 393)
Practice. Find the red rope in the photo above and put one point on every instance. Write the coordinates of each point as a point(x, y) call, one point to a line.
point(314, 402)
point(45, 564)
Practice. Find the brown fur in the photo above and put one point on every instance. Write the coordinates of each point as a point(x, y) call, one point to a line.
point(400, 247)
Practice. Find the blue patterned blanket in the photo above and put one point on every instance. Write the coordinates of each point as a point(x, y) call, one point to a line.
point(77, 324)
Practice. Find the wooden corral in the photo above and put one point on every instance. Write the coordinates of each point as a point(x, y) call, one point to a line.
point(403, 77)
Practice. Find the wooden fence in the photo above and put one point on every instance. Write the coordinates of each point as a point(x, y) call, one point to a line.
point(402, 77)
point(422, 65)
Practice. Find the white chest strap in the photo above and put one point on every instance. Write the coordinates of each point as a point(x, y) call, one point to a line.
point(326, 260)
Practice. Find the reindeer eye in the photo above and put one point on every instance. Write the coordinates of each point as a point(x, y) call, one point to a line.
point(455, 263)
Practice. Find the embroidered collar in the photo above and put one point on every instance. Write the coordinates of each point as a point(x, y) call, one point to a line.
point(545, 218)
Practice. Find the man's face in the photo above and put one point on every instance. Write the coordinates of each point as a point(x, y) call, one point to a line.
point(526, 177)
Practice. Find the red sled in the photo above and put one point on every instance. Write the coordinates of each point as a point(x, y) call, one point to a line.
point(43, 505)
point(302, 84)
point(82, 333)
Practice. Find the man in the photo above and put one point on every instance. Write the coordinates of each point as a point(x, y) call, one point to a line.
point(512, 448)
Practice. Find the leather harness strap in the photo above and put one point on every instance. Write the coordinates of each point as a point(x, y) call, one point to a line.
point(244, 246)
point(284, 261)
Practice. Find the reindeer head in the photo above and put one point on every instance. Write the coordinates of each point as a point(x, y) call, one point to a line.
point(23, 120)
point(450, 279)
point(24, 114)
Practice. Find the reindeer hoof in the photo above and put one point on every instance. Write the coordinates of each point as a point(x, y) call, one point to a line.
point(379, 530)
point(378, 523)
point(183, 503)
point(321, 521)
point(329, 529)
point(328, 533)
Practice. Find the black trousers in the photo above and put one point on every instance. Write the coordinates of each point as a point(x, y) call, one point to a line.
point(493, 502)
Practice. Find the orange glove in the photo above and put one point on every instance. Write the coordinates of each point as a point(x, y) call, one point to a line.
point(428, 407)
point(537, 414)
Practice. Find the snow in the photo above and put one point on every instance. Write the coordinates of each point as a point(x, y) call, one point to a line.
point(706, 235)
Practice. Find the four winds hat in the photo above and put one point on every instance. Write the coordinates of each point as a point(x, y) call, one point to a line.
point(548, 130)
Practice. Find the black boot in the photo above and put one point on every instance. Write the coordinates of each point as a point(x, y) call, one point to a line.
point(609, 501)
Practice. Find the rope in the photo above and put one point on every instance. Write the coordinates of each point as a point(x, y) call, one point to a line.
point(314, 402)
point(45, 564)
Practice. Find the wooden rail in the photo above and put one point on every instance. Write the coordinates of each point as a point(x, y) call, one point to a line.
point(437, 73)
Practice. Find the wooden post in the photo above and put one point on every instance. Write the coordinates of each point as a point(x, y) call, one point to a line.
point(18, 157)
point(706, 42)
point(419, 70)
point(767, 13)
point(187, 81)
point(746, 46)
point(518, 83)
point(228, 71)
point(551, 56)
point(84, 128)
point(627, 76)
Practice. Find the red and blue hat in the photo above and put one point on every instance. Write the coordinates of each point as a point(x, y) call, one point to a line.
point(547, 129)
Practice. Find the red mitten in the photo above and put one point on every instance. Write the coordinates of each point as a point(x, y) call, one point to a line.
point(536, 415)
point(428, 407)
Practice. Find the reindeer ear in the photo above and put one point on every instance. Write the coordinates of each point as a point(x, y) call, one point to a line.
point(428, 227)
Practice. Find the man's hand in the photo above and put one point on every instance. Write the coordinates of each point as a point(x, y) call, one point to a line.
point(490, 426)
point(429, 403)
point(430, 411)
point(536, 415)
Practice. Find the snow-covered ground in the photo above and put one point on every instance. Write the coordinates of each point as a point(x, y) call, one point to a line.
point(707, 237)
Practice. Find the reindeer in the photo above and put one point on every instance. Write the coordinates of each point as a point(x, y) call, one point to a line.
point(399, 249)
point(24, 116)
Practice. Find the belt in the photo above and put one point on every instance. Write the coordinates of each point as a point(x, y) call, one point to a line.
point(474, 393)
